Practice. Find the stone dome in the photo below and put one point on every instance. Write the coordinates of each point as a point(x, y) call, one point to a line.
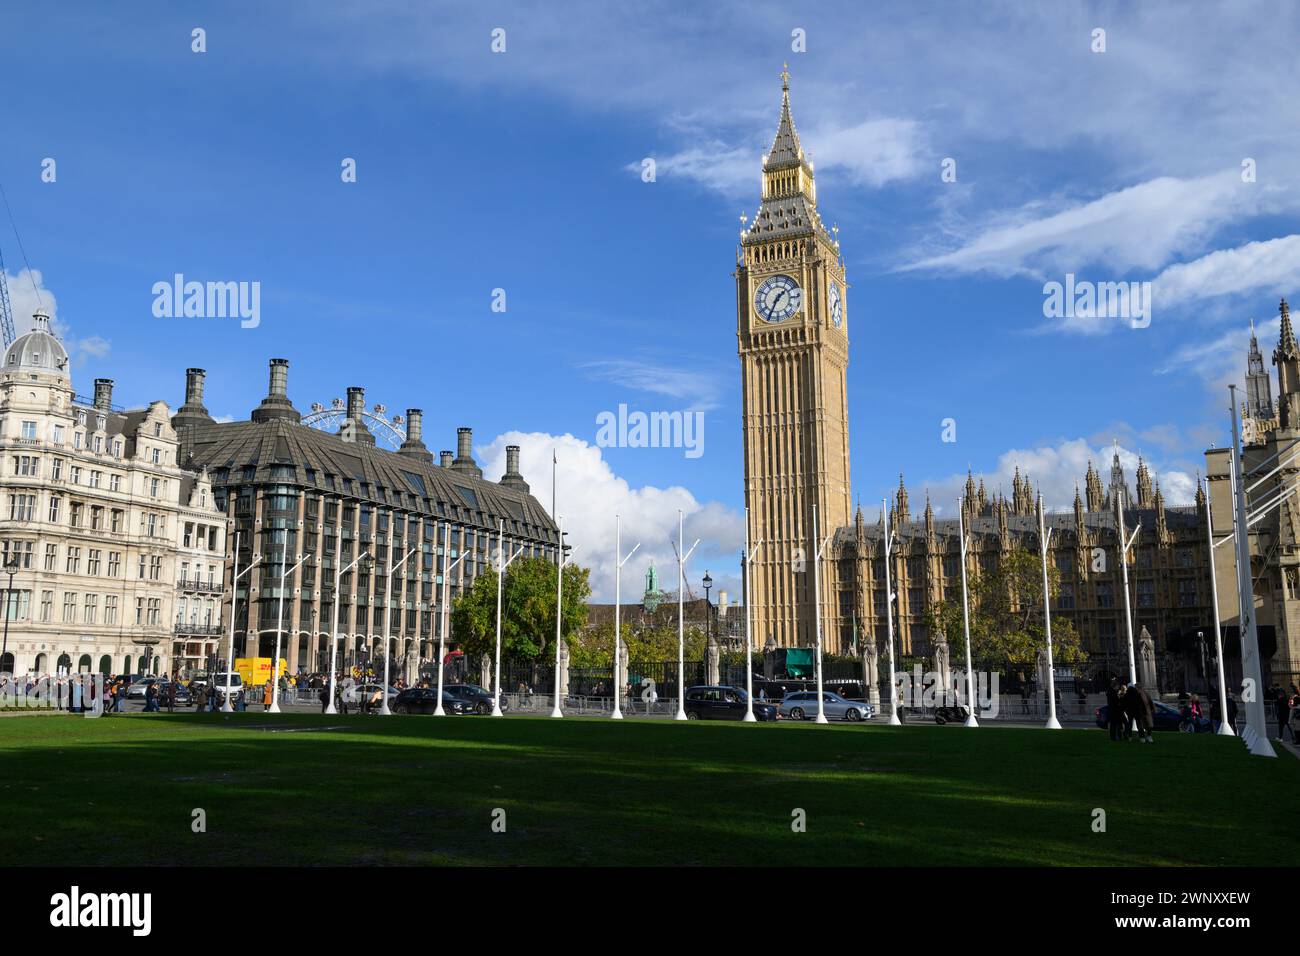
point(38, 351)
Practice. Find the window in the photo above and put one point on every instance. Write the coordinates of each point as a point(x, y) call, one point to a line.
point(117, 449)
point(1146, 593)
point(21, 507)
point(47, 606)
point(155, 569)
point(185, 573)
point(90, 609)
point(58, 434)
point(29, 466)
point(153, 493)
point(142, 564)
point(75, 509)
point(115, 524)
point(156, 458)
point(81, 419)
point(19, 605)
point(99, 444)
point(20, 553)
point(114, 564)
point(151, 528)
point(96, 518)
point(157, 433)
point(56, 469)
point(188, 540)
point(139, 609)
point(69, 607)
point(110, 608)
point(1187, 592)
point(74, 475)
point(29, 432)
point(56, 504)
point(1065, 600)
point(154, 611)
point(114, 482)
point(51, 555)
point(1105, 595)
point(73, 563)
point(97, 476)
point(77, 439)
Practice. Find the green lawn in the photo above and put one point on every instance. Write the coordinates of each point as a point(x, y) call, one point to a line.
point(314, 789)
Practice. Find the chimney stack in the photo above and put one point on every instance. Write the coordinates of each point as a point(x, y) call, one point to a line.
point(276, 404)
point(413, 447)
point(356, 406)
point(192, 412)
point(445, 457)
point(104, 394)
point(512, 478)
point(465, 453)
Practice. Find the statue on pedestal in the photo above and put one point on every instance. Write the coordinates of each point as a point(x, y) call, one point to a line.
point(871, 670)
point(1146, 662)
point(712, 662)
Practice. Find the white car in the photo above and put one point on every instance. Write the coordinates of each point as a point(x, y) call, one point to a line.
point(228, 684)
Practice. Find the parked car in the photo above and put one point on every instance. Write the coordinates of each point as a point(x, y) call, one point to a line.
point(803, 706)
point(723, 702)
point(138, 689)
point(478, 699)
point(424, 700)
point(229, 683)
point(183, 696)
point(1166, 718)
point(355, 694)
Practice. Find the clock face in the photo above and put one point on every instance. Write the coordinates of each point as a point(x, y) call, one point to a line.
point(778, 298)
point(837, 306)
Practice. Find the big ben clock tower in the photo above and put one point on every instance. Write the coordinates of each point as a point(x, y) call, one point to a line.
point(792, 331)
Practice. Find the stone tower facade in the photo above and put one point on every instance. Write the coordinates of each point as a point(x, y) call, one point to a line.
point(792, 332)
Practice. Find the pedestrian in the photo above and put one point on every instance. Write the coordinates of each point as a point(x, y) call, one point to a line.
point(201, 701)
point(151, 699)
point(324, 699)
point(171, 697)
point(1141, 710)
point(268, 691)
point(1281, 709)
point(1115, 716)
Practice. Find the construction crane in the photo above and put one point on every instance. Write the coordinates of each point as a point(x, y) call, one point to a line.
point(6, 311)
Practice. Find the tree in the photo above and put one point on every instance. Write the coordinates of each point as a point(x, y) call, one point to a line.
point(1006, 618)
point(527, 610)
point(595, 646)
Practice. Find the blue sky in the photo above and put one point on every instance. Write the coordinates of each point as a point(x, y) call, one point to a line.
point(521, 171)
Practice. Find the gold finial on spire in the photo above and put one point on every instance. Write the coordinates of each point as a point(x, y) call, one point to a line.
point(785, 77)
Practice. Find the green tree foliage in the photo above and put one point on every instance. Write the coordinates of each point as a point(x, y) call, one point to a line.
point(1007, 615)
point(527, 610)
point(595, 646)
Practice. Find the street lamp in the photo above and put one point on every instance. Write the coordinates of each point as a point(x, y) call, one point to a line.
point(708, 606)
point(11, 568)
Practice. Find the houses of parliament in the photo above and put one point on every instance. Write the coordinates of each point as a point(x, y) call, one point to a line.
point(793, 342)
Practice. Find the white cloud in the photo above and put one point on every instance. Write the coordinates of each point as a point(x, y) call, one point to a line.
point(28, 295)
point(699, 389)
point(1138, 228)
point(590, 494)
point(1273, 264)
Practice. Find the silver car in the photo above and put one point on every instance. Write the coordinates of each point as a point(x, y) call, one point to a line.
point(802, 705)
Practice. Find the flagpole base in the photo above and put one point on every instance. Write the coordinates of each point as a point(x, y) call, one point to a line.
point(330, 709)
point(616, 715)
point(274, 708)
point(1052, 723)
point(893, 719)
point(225, 706)
point(556, 712)
point(971, 721)
point(496, 710)
point(749, 717)
point(438, 711)
point(384, 711)
point(1224, 730)
point(821, 719)
point(681, 715)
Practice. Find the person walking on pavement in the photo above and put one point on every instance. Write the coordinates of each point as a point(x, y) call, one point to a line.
point(1115, 712)
point(1141, 710)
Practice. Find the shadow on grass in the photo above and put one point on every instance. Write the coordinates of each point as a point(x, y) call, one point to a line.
point(315, 789)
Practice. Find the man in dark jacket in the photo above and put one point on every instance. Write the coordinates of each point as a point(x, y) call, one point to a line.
point(1115, 714)
point(1141, 711)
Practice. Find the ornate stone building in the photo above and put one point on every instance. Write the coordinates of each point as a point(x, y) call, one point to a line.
point(289, 489)
point(95, 512)
point(1270, 432)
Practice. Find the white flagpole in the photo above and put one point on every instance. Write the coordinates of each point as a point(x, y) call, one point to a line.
point(502, 564)
point(681, 615)
point(560, 561)
point(889, 617)
point(619, 561)
point(1045, 539)
point(226, 706)
point(818, 548)
point(279, 628)
point(749, 717)
point(1225, 726)
point(448, 566)
point(385, 710)
point(965, 617)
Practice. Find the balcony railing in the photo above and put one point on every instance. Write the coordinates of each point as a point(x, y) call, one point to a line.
point(197, 630)
point(203, 587)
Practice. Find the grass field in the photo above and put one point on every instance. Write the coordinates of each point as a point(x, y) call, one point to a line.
point(314, 789)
